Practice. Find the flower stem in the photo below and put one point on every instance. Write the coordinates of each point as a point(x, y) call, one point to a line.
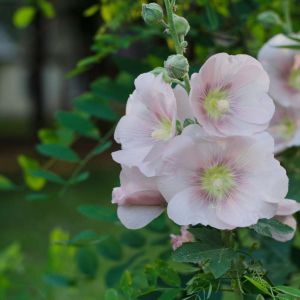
point(287, 16)
point(169, 4)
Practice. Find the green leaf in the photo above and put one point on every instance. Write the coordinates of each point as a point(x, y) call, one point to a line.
point(87, 262)
point(293, 47)
point(59, 152)
point(267, 226)
point(86, 237)
point(47, 8)
point(48, 175)
point(218, 260)
point(102, 148)
point(98, 212)
point(212, 17)
point(62, 136)
point(169, 294)
point(168, 275)
point(133, 239)
point(269, 17)
point(90, 104)
point(58, 280)
point(111, 248)
point(78, 123)
point(111, 294)
point(80, 177)
point(24, 16)
point(90, 11)
point(288, 290)
point(260, 284)
point(28, 165)
point(6, 184)
point(37, 197)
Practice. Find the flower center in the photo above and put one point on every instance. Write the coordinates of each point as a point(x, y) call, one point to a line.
point(294, 76)
point(216, 104)
point(163, 131)
point(217, 181)
point(287, 128)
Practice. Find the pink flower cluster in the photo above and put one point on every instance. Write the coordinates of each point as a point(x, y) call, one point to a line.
point(220, 169)
point(283, 67)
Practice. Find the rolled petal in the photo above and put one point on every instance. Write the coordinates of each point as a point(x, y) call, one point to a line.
point(287, 207)
point(291, 222)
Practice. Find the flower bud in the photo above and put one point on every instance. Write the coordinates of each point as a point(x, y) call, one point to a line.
point(182, 26)
point(152, 13)
point(177, 66)
point(159, 70)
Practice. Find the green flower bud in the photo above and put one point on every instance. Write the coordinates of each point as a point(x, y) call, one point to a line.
point(152, 13)
point(177, 66)
point(182, 26)
point(159, 70)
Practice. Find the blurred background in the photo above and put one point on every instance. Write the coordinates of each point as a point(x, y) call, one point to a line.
point(54, 54)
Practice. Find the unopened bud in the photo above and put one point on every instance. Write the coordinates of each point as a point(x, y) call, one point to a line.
point(152, 13)
point(159, 70)
point(177, 66)
point(182, 26)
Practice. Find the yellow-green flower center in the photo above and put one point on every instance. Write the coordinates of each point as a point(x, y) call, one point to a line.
point(217, 181)
point(216, 104)
point(294, 79)
point(287, 128)
point(163, 131)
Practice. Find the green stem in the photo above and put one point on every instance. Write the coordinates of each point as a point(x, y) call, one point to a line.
point(178, 47)
point(287, 16)
point(85, 160)
point(172, 29)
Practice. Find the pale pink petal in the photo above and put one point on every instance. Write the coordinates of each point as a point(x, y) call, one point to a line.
point(184, 110)
point(135, 217)
point(287, 207)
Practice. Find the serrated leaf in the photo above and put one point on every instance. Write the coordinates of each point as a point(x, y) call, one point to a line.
point(218, 260)
point(6, 184)
point(48, 175)
point(87, 262)
point(260, 284)
point(78, 123)
point(24, 16)
point(98, 212)
point(267, 226)
point(59, 152)
point(288, 290)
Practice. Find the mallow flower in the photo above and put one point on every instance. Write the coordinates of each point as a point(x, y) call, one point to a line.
point(222, 182)
point(285, 127)
point(283, 67)
point(229, 96)
point(149, 123)
point(284, 214)
point(138, 199)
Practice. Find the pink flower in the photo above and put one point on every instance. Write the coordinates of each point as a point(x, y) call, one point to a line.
point(138, 199)
point(283, 67)
point(149, 123)
point(222, 182)
point(229, 96)
point(285, 128)
point(184, 110)
point(286, 209)
point(184, 237)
